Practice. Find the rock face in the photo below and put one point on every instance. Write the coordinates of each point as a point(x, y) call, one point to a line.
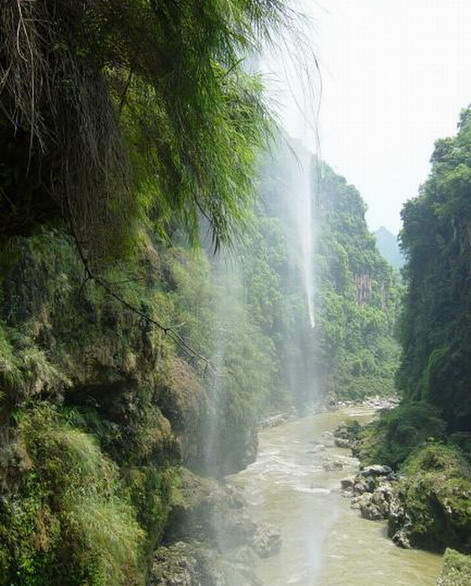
point(211, 539)
point(196, 564)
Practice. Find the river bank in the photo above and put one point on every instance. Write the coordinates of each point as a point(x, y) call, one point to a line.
point(294, 484)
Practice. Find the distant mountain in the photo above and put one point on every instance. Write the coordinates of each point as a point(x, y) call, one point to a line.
point(388, 246)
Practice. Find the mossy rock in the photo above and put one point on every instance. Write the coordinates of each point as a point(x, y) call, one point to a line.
point(196, 564)
point(456, 570)
point(433, 502)
point(203, 508)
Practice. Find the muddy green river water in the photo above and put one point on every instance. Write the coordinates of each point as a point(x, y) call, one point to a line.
point(325, 542)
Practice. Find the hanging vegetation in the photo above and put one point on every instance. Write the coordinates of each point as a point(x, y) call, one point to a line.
point(116, 111)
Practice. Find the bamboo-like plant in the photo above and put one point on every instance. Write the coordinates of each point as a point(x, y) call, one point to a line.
point(117, 110)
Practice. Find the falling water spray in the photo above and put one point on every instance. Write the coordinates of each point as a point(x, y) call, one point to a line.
point(301, 189)
point(293, 85)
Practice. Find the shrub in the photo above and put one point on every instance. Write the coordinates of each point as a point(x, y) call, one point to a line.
point(67, 523)
point(399, 432)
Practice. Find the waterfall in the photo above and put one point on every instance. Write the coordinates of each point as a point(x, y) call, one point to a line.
point(300, 189)
point(293, 87)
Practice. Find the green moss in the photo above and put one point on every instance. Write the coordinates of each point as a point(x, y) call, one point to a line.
point(456, 569)
point(398, 433)
point(435, 497)
point(67, 522)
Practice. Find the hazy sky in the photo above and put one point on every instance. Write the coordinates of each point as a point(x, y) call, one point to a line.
point(395, 75)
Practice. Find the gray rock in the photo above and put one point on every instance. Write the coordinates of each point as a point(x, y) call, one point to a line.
point(359, 486)
point(266, 540)
point(341, 442)
point(356, 501)
point(197, 564)
point(347, 483)
point(376, 470)
point(332, 465)
point(401, 539)
point(373, 506)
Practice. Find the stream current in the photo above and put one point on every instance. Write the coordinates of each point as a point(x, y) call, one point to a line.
point(325, 542)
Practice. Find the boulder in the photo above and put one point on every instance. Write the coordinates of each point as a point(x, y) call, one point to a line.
point(375, 470)
point(347, 483)
point(341, 442)
point(332, 465)
point(317, 449)
point(192, 564)
point(266, 540)
point(373, 506)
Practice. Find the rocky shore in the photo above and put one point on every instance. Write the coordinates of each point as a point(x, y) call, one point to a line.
point(375, 403)
point(427, 505)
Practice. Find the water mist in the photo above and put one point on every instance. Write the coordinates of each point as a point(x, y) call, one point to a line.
point(299, 192)
point(251, 331)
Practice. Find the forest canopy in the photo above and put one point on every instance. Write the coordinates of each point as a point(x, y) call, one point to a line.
point(436, 321)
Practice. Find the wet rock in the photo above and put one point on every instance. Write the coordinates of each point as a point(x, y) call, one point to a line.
point(332, 465)
point(401, 539)
point(359, 486)
point(347, 483)
point(374, 506)
point(370, 511)
point(379, 403)
point(371, 491)
point(342, 442)
point(277, 419)
point(355, 502)
point(211, 538)
point(208, 510)
point(196, 564)
point(266, 540)
point(376, 470)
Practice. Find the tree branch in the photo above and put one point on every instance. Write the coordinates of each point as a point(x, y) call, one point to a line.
point(170, 332)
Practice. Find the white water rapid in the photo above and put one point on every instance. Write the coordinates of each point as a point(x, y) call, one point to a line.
point(324, 541)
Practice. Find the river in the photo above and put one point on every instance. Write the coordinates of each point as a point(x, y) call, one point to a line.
point(325, 542)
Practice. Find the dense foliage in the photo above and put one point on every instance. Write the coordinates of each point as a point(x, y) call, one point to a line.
point(117, 111)
point(435, 326)
point(351, 352)
point(358, 296)
point(398, 433)
point(456, 569)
